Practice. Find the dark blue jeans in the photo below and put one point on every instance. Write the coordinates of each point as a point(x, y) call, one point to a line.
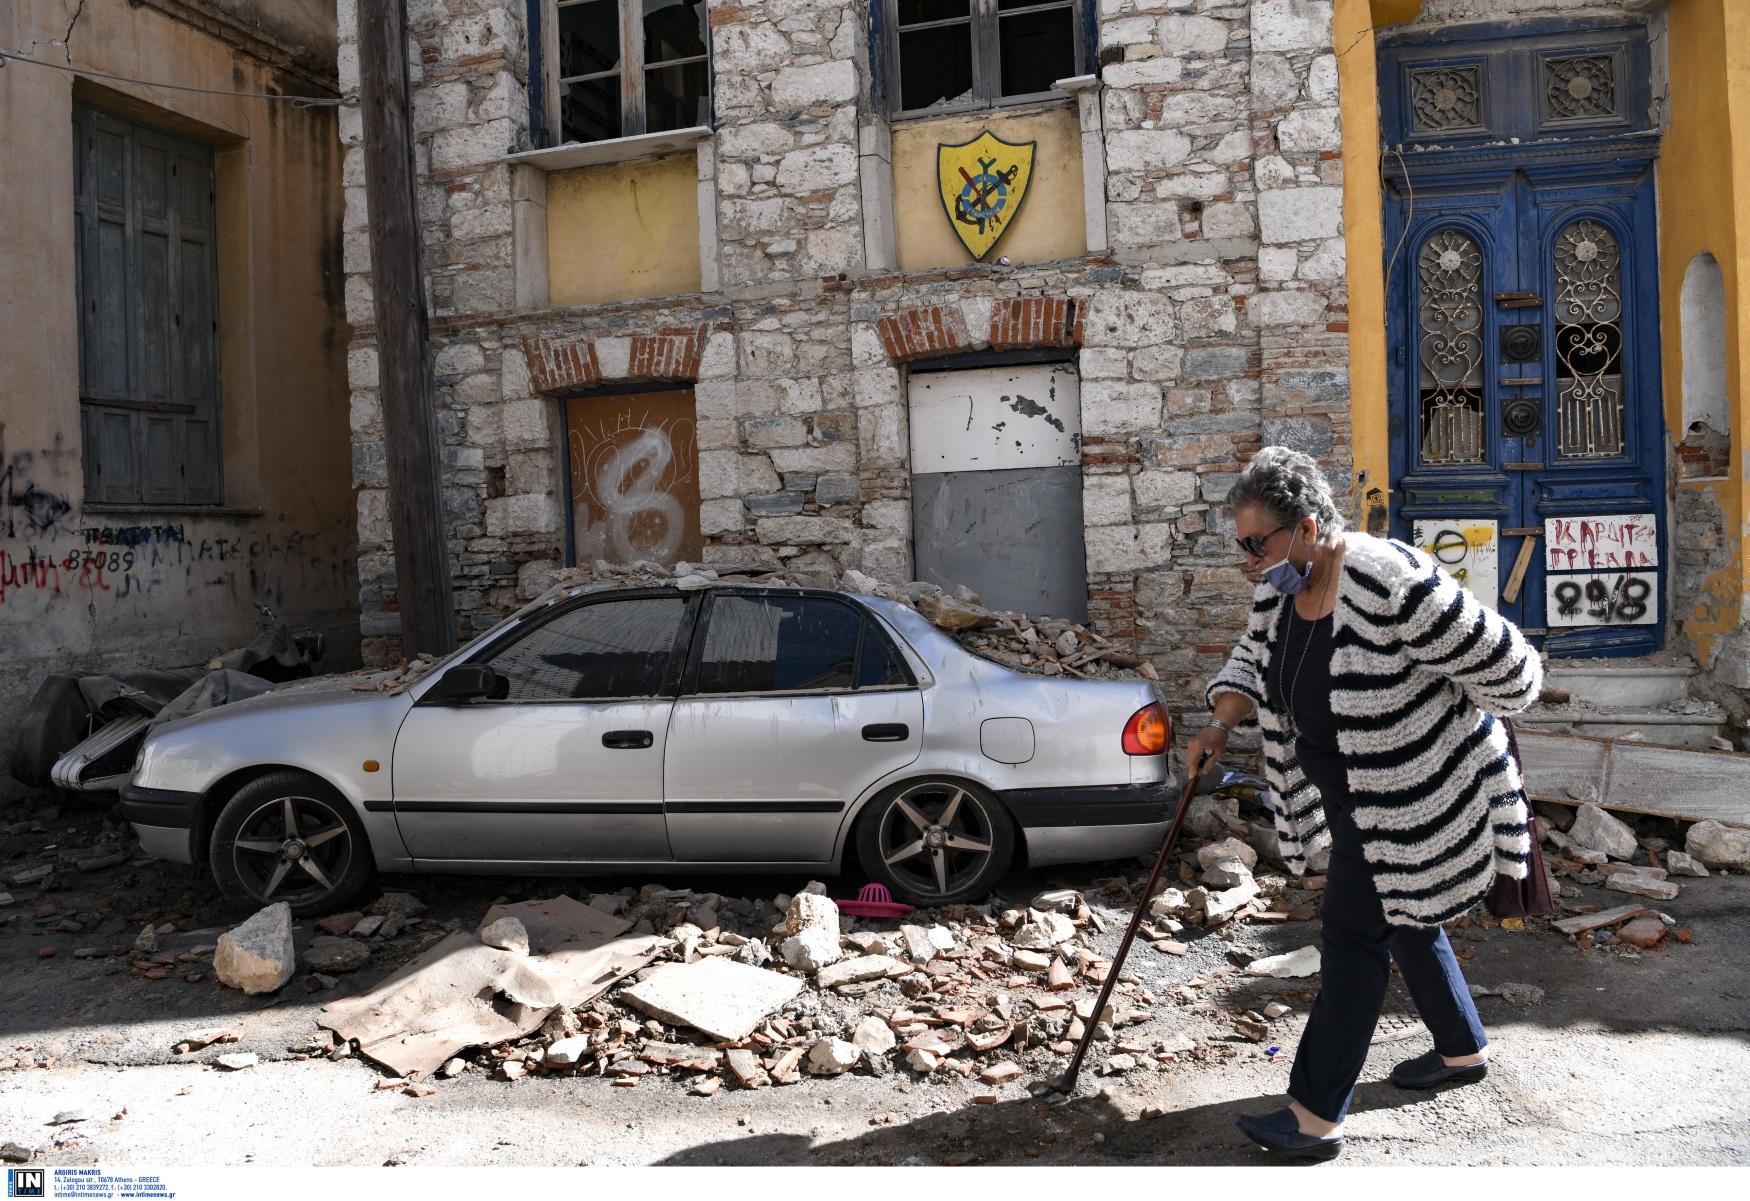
point(1355, 969)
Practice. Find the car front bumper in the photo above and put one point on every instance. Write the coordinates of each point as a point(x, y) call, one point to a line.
point(1086, 825)
point(164, 820)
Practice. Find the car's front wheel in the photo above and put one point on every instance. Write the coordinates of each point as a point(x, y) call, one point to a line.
point(287, 836)
point(935, 842)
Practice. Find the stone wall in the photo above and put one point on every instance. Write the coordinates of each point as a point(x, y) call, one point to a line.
point(1216, 322)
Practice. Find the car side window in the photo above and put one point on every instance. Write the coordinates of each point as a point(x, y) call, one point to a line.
point(778, 644)
point(611, 650)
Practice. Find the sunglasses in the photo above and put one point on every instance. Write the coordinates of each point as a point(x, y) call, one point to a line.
point(1254, 546)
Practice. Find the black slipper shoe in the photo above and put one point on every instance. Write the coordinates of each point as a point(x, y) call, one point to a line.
point(1280, 1134)
point(1429, 1070)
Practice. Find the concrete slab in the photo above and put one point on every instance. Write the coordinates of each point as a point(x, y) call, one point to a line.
point(726, 1000)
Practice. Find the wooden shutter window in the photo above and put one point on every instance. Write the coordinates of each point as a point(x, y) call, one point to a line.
point(148, 313)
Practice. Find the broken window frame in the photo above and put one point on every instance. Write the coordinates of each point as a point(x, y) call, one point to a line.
point(985, 19)
point(631, 68)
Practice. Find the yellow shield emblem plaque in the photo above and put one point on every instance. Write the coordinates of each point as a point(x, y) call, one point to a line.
point(983, 183)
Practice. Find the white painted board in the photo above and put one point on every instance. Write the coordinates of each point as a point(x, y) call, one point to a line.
point(1618, 598)
point(1469, 550)
point(1610, 543)
point(995, 418)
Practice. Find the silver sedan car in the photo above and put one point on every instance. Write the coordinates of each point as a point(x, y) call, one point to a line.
point(602, 729)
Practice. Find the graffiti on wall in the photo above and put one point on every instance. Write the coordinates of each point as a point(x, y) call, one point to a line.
point(29, 511)
point(1592, 576)
point(128, 561)
point(634, 477)
point(1468, 551)
point(1599, 543)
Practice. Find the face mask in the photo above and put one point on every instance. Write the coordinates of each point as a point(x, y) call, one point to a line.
point(1283, 577)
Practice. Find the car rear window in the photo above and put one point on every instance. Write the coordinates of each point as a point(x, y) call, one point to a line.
point(610, 650)
point(878, 666)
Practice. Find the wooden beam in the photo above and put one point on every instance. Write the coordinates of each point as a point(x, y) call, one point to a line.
point(422, 560)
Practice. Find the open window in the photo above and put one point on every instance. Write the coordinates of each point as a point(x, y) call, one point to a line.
point(620, 68)
point(955, 55)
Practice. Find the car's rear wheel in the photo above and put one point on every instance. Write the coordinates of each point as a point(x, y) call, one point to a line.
point(934, 842)
point(287, 836)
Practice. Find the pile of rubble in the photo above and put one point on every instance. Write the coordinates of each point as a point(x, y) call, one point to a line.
point(722, 992)
point(1595, 847)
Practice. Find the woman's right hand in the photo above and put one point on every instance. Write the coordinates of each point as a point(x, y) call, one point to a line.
point(1205, 749)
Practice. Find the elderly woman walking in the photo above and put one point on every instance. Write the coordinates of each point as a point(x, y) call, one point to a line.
point(1374, 677)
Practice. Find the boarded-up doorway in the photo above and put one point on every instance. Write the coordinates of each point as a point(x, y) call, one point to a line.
point(996, 487)
point(634, 472)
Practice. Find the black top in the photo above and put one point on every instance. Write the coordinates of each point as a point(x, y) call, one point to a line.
point(1299, 676)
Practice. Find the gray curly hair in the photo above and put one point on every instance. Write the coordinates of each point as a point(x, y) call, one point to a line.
point(1290, 487)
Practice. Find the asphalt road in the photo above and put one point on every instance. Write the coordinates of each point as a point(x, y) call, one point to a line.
point(1625, 1060)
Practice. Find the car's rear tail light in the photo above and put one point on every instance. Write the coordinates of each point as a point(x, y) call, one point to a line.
point(1148, 731)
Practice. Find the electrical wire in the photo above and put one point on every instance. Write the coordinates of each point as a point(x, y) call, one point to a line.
point(350, 100)
point(1410, 216)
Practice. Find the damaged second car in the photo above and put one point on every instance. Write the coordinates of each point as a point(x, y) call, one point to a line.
point(722, 727)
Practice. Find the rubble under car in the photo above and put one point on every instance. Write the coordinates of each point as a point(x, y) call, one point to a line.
point(1060, 749)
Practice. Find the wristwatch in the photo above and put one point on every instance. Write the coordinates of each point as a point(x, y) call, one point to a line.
point(1221, 725)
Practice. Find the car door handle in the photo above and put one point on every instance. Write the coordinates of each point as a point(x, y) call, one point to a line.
point(628, 740)
point(893, 731)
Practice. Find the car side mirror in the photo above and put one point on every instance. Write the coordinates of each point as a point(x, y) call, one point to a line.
point(466, 682)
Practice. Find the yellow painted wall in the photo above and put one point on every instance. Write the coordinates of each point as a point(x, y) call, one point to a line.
point(287, 533)
point(1352, 23)
point(623, 230)
point(1051, 224)
point(1704, 203)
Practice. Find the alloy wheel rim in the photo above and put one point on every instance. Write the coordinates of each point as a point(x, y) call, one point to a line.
point(292, 849)
point(935, 839)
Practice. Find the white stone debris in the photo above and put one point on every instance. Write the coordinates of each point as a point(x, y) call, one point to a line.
point(810, 950)
point(1166, 902)
point(1227, 848)
point(1719, 846)
point(1597, 830)
point(855, 971)
point(1057, 900)
point(507, 934)
point(833, 1057)
point(1680, 863)
point(1043, 931)
point(874, 1036)
point(1643, 884)
point(1303, 962)
point(566, 1052)
point(258, 956)
point(1223, 874)
point(922, 1061)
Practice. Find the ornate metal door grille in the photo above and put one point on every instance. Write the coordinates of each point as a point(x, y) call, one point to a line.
point(1588, 316)
point(1450, 348)
point(1446, 98)
point(1580, 87)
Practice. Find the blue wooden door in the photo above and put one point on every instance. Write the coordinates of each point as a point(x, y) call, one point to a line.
point(1527, 428)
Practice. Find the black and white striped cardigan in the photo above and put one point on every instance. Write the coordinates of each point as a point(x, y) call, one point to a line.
point(1418, 668)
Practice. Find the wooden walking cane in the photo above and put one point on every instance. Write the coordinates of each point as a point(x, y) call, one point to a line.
point(1067, 1082)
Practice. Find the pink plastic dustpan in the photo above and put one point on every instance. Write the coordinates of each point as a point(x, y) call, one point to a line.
point(873, 900)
